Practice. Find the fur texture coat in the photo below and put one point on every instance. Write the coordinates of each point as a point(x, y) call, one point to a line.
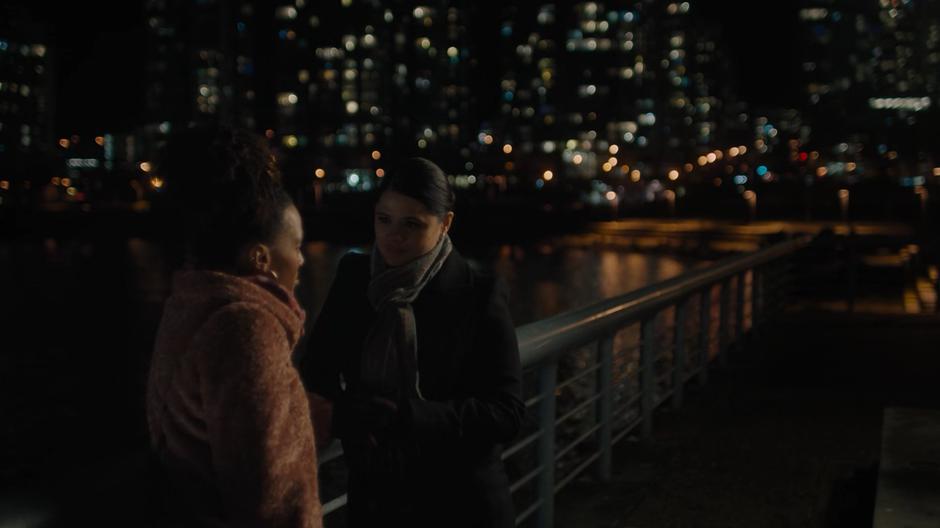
point(228, 417)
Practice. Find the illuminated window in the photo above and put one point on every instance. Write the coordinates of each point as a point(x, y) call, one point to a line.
point(287, 99)
point(546, 15)
point(286, 13)
point(587, 90)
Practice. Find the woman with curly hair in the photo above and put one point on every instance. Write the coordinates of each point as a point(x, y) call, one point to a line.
point(228, 417)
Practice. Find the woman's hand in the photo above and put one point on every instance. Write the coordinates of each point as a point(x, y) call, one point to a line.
point(365, 419)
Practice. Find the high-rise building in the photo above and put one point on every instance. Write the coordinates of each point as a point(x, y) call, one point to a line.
point(615, 88)
point(202, 64)
point(585, 89)
point(690, 68)
point(870, 72)
point(531, 38)
point(358, 81)
point(329, 64)
point(608, 86)
point(333, 86)
point(26, 103)
point(436, 49)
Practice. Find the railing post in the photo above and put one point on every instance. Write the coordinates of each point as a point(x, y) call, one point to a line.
point(786, 268)
point(705, 336)
point(647, 374)
point(772, 289)
point(678, 358)
point(739, 311)
point(756, 310)
point(723, 316)
point(548, 377)
point(605, 405)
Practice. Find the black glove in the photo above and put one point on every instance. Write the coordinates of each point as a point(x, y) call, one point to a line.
point(365, 419)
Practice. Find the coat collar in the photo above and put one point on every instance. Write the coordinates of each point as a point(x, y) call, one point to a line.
point(216, 288)
point(453, 277)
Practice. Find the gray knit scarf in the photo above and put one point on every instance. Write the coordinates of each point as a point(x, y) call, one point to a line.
point(390, 359)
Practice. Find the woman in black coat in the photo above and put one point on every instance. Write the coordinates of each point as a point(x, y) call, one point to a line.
point(418, 354)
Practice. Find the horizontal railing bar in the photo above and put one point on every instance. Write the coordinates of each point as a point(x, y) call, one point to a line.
point(524, 480)
point(334, 504)
point(330, 453)
point(534, 399)
point(545, 339)
point(624, 383)
point(529, 511)
point(574, 443)
point(521, 444)
point(627, 405)
point(577, 471)
point(625, 432)
point(664, 397)
point(584, 372)
point(623, 387)
point(624, 406)
point(580, 407)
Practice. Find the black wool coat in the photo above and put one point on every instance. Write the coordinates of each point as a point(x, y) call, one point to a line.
point(449, 447)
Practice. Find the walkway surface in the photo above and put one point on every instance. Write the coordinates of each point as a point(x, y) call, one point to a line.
point(789, 435)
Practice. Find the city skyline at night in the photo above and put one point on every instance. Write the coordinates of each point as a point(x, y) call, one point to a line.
point(588, 98)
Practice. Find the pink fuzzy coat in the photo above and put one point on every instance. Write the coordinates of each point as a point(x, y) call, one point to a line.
point(228, 415)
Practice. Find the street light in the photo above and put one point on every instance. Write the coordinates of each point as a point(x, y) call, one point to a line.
point(844, 204)
point(922, 192)
point(614, 202)
point(670, 196)
point(751, 198)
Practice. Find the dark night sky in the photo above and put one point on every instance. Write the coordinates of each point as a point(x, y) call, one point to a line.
point(101, 56)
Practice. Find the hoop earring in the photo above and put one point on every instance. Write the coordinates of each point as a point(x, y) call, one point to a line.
point(273, 274)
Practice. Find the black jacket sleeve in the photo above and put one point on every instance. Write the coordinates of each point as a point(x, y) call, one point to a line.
point(493, 411)
point(321, 366)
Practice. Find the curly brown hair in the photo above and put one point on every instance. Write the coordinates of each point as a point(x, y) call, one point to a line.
point(225, 185)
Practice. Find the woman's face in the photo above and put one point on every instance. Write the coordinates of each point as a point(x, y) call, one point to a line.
point(405, 229)
point(285, 250)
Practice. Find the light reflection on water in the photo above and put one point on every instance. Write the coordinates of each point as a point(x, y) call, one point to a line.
point(543, 279)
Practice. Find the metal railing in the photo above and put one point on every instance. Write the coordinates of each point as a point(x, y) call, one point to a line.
point(594, 375)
